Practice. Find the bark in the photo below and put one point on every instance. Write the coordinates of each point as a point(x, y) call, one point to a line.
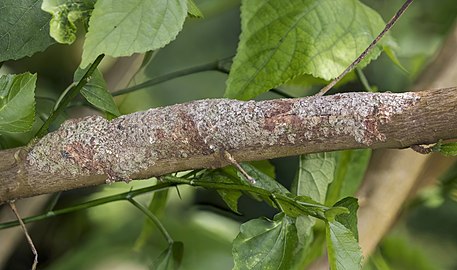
point(90, 151)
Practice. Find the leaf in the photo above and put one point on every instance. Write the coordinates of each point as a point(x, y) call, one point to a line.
point(282, 39)
point(96, 92)
point(24, 29)
point(65, 15)
point(157, 207)
point(315, 173)
point(171, 258)
point(121, 28)
point(230, 198)
point(349, 172)
point(17, 102)
point(193, 10)
point(447, 149)
point(349, 220)
point(225, 175)
point(343, 249)
point(266, 244)
point(263, 180)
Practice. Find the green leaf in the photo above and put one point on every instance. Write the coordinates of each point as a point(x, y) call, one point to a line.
point(225, 175)
point(157, 207)
point(349, 172)
point(171, 258)
point(282, 39)
point(24, 29)
point(230, 198)
point(262, 180)
point(343, 249)
point(121, 28)
point(349, 220)
point(447, 149)
point(96, 92)
point(17, 102)
point(315, 173)
point(193, 10)
point(65, 15)
point(266, 244)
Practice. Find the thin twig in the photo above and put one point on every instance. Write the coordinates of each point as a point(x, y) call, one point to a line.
point(363, 80)
point(216, 66)
point(70, 93)
point(230, 159)
point(154, 219)
point(27, 236)
point(368, 49)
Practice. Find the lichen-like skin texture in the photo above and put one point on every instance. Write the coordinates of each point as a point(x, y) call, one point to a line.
point(132, 143)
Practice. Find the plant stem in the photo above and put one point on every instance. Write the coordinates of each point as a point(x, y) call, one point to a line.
point(215, 66)
point(363, 80)
point(69, 94)
point(89, 204)
point(154, 219)
point(388, 26)
point(171, 181)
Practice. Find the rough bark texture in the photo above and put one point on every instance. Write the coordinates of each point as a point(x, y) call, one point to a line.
point(88, 151)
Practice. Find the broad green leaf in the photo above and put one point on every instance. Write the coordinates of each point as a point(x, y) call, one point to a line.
point(266, 244)
point(17, 102)
point(24, 29)
point(343, 250)
point(349, 220)
point(96, 92)
point(282, 39)
point(65, 15)
point(171, 258)
point(315, 173)
point(350, 170)
point(121, 28)
point(193, 10)
point(447, 149)
point(157, 207)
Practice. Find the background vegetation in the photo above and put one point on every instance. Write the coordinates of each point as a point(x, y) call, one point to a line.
point(114, 235)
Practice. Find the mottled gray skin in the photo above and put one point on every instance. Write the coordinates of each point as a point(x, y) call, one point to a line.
point(132, 143)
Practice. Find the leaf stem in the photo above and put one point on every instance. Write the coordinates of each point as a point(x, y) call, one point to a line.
point(388, 26)
point(171, 181)
point(363, 80)
point(215, 66)
point(89, 204)
point(70, 93)
point(154, 219)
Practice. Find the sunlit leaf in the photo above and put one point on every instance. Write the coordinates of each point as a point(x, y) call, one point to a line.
point(343, 250)
point(121, 28)
point(96, 92)
point(24, 29)
point(17, 102)
point(65, 15)
point(315, 173)
point(282, 39)
point(266, 244)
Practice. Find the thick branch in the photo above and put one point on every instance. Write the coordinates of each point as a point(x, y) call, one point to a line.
point(88, 151)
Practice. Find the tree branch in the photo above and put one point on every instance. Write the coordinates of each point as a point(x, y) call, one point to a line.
point(88, 151)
